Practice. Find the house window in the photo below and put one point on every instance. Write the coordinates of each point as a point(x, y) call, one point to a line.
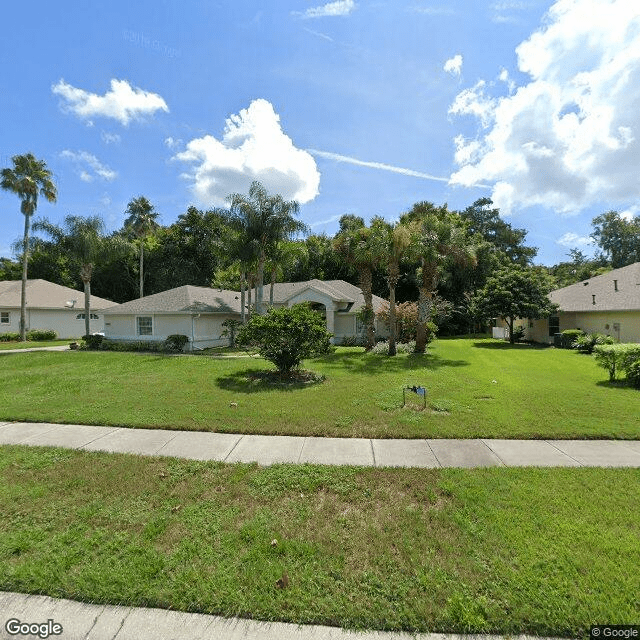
point(554, 325)
point(145, 325)
point(4, 317)
point(92, 316)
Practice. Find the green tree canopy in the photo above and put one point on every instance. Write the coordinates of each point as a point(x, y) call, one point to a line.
point(618, 238)
point(515, 292)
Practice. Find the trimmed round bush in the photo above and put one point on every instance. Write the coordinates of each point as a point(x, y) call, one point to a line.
point(633, 374)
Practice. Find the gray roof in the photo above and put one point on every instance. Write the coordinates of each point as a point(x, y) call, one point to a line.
point(42, 294)
point(580, 296)
point(185, 299)
point(189, 299)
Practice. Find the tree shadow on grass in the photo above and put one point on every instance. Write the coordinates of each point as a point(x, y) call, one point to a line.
point(261, 380)
point(373, 364)
point(521, 346)
point(617, 384)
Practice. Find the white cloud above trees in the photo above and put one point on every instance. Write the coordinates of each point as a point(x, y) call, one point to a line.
point(88, 167)
point(253, 147)
point(568, 138)
point(122, 102)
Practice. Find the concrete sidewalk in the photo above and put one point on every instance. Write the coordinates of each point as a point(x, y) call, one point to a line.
point(266, 450)
point(82, 621)
point(60, 347)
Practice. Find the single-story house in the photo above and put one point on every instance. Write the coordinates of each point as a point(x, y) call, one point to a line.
point(49, 306)
point(198, 312)
point(608, 304)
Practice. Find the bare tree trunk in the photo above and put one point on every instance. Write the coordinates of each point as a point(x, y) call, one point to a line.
point(273, 282)
point(85, 275)
point(365, 285)
point(243, 295)
point(23, 296)
point(392, 319)
point(249, 298)
point(260, 284)
point(141, 265)
point(425, 294)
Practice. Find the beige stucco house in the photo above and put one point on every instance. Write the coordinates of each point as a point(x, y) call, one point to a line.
point(608, 304)
point(198, 312)
point(49, 306)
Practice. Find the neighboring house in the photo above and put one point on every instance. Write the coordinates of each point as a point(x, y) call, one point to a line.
point(608, 304)
point(198, 312)
point(49, 306)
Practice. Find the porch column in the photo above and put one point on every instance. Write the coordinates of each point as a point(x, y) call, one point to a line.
point(330, 313)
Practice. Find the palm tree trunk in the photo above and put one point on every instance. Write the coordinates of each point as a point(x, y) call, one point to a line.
point(260, 284)
point(85, 275)
point(425, 293)
point(243, 296)
point(23, 296)
point(273, 282)
point(392, 319)
point(141, 265)
point(366, 284)
point(249, 299)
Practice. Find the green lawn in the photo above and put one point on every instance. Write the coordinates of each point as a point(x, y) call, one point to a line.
point(31, 345)
point(539, 551)
point(476, 388)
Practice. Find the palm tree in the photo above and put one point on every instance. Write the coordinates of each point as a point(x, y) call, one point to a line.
point(84, 240)
point(396, 242)
point(141, 218)
point(263, 221)
point(283, 257)
point(28, 179)
point(357, 245)
point(442, 240)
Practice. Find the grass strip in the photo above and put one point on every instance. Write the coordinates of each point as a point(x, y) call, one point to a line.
point(539, 551)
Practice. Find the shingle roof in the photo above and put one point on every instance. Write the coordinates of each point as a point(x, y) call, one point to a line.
point(580, 296)
point(185, 299)
point(42, 294)
point(189, 299)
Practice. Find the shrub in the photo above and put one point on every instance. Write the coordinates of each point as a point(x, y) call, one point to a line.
point(287, 335)
point(569, 336)
point(518, 334)
point(231, 326)
point(9, 337)
point(93, 342)
point(175, 343)
point(41, 334)
point(587, 342)
point(136, 345)
point(633, 374)
point(616, 357)
point(382, 348)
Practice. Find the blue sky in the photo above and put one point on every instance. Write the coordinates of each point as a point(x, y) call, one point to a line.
point(350, 106)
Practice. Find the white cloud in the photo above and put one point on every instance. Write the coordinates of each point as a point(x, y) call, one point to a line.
point(110, 138)
point(253, 147)
point(337, 8)
point(375, 165)
point(569, 138)
point(173, 143)
point(454, 65)
point(88, 166)
point(573, 240)
point(122, 102)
